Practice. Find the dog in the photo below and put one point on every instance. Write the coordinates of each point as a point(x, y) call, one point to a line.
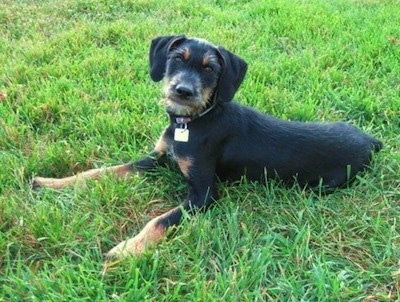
point(214, 139)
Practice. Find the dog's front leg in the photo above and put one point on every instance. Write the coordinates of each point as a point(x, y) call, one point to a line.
point(157, 157)
point(59, 183)
point(202, 193)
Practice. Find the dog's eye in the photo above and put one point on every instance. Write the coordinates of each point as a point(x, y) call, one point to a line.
point(178, 59)
point(208, 69)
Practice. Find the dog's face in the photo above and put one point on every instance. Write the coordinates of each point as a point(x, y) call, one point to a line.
point(195, 73)
point(192, 71)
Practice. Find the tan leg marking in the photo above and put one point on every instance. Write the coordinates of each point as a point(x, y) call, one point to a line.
point(59, 183)
point(161, 145)
point(152, 233)
point(184, 164)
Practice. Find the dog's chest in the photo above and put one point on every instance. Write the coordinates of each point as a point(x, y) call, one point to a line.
point(171, 152)
point(176, 150)
point(178, 143)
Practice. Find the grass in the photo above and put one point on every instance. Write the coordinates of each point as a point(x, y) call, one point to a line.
point(75, 93)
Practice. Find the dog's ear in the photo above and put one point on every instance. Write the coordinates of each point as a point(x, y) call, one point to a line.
point(159, 49)
point(232, 75)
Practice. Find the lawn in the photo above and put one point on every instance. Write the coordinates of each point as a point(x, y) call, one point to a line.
point(75, 94)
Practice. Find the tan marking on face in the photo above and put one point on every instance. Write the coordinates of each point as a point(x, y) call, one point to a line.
point(185, 163)
point(186, 53)
point(161, 145)
point(206, 96)
point(152, 233)
point(206, 60)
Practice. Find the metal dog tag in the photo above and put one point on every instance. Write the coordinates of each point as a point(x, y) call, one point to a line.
point(181, 135)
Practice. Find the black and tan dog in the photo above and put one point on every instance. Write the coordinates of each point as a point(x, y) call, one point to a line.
point(212, 138)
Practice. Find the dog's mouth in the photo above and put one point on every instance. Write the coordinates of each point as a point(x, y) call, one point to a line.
point(182, 100)
point(184, 106)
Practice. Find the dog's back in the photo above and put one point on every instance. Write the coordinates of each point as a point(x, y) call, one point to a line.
point(308, 152)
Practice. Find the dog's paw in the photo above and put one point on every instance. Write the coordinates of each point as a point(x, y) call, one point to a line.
point(54, 183)
point(39, 182)
point(131, 247)
point(35, 185)
point(136, 246)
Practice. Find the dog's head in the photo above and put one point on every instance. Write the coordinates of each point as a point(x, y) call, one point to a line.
point(195, 71)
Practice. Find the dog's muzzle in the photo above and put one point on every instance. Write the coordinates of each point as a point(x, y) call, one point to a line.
point(184, 87)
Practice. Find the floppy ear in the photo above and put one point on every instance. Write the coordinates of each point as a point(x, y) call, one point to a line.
point(158, 55)
point(232, 75)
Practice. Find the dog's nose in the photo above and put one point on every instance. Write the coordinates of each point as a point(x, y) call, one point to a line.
point(184, 90)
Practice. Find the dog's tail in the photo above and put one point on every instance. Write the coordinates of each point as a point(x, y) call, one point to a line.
point(377, 145)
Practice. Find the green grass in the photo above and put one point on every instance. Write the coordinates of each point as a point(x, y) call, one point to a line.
point(76, 94)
